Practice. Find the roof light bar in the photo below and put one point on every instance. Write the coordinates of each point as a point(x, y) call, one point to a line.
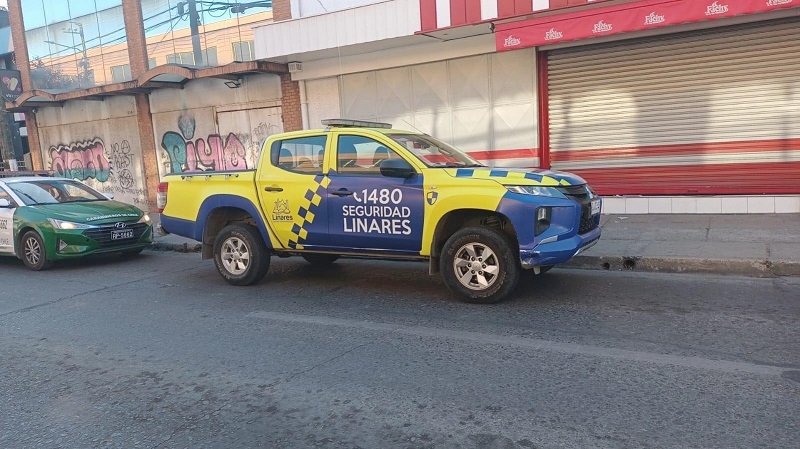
point(348, 123)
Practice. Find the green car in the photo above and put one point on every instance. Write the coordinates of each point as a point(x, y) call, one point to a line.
point(44, 219)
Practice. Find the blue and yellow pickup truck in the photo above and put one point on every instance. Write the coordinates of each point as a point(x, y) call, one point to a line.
point(363, 189)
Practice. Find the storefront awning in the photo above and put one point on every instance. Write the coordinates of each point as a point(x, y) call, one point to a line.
point(624, 18)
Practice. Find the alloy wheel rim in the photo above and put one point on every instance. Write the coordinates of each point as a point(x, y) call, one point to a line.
point(33, 251)
point(235, 256)
point(476, 266)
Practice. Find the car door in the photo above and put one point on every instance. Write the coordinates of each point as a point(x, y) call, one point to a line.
point(6, 224)
point(291, 187)
point(367, 211)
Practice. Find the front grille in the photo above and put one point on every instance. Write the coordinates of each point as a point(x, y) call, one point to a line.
point(583, 196)
point(102, 234)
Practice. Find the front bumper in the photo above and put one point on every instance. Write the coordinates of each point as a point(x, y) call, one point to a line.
point(555, 252)
point(79, 243)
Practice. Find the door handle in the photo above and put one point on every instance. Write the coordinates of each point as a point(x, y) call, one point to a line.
point(342, 192)
point(273, 189)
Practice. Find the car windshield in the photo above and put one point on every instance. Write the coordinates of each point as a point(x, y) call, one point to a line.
point(434, 153)
point(53, 191)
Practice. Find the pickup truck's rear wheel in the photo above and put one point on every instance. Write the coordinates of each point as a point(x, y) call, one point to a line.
point(240, 254)
point(320, 259)
point(479, 264)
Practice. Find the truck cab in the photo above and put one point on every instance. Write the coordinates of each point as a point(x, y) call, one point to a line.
point(364, 189)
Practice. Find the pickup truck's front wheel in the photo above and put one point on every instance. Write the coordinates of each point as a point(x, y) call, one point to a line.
point(240, 254)
point(479, 264)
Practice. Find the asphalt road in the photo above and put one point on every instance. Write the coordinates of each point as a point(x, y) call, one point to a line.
point(158, 352)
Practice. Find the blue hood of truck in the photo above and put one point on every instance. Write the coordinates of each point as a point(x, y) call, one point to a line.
point(519, 176)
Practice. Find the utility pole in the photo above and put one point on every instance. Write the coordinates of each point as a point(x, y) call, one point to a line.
point(193, 25)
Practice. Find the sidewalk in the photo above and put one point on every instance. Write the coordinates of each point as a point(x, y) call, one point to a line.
point(746, 245)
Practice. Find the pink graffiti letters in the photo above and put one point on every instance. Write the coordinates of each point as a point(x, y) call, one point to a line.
point(81, 160)
point(210, 154)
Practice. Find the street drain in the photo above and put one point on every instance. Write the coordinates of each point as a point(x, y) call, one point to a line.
point(629, 264)
point(606, 266)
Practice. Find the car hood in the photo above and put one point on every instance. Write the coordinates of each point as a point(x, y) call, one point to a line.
point(95, 212)
point(520, 176)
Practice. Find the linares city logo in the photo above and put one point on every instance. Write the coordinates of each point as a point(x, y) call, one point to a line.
point(511, 41)
point(602, 27)
point(715, 8)
point(281, 211)
point(778, 2)
point(654, 18)
point(553, 34)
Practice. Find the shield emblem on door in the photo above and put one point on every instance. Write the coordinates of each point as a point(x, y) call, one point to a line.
point(431, 197)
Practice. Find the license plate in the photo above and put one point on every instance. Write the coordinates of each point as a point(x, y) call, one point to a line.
point(124, 234)
point(595, 207)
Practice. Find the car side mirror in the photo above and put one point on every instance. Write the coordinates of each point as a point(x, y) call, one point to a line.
point(397, 168)
point(4, 203)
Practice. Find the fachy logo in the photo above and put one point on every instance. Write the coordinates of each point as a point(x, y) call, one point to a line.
point(654, 18)
point(553, 34)
point(602, 27)
point(715, 8)
point(511, 41)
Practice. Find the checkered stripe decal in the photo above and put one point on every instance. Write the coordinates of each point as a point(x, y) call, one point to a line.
point(308, 210)
point(484, 174)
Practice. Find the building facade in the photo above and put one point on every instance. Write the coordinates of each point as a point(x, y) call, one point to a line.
point(119, 94)
point(664, 106)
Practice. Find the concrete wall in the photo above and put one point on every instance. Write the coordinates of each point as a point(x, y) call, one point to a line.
point(323, 101)
point(210, 126)
point(96, 142)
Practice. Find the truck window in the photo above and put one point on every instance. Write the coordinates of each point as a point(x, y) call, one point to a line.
point(361, 155)
point(301, 154)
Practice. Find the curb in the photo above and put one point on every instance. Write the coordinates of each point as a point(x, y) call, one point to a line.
point(188, 247)
point(740, 267)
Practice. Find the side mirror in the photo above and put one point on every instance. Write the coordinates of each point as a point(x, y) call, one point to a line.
point(397, 168)
point(4, 203)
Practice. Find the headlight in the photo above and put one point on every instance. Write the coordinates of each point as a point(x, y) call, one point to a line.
point(145, 219)
point(536, 190)
point(60, 224)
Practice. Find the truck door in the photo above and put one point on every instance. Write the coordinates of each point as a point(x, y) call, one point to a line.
point(369, 212)
point(6, 224)
point(291, 187)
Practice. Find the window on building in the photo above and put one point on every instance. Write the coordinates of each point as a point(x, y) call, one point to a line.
point(187, 57)
point(243, 51)
point(121, 73)
point(151, 62)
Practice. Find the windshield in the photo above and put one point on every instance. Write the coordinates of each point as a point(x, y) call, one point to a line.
point(432, 152)
point(53, 191)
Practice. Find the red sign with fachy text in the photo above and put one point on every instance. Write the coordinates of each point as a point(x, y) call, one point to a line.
point(624, 18)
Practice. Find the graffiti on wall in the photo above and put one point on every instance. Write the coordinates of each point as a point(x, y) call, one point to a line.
point(108, 168)
point(186, 154)
point(81, 160)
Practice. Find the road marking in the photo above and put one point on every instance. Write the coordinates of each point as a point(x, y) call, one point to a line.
point(532, 343)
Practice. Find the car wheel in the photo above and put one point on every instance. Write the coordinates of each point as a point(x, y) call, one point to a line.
point(479, 264)
point(33, 252)
point(240, 254)
point(320, 259)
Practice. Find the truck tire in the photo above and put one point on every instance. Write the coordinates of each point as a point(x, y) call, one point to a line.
point(240, 255)
point(480, 264)
point(320, 259)
point(33, 253)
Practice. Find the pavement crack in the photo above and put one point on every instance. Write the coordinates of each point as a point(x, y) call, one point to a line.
point(292, 376)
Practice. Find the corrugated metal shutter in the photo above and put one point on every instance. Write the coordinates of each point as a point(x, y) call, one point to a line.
point(714, 111)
